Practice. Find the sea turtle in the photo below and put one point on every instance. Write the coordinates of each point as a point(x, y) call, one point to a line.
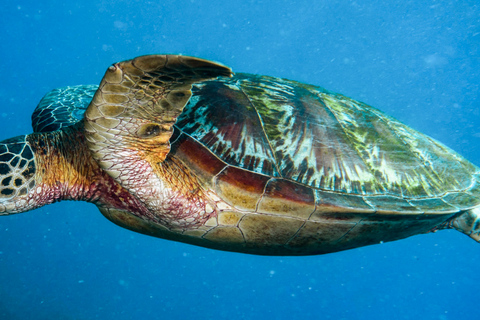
point(178, 148)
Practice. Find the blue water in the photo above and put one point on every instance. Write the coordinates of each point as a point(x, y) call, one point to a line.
point(416, 60)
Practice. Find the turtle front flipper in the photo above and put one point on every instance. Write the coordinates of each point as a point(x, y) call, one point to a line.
point(130, 121)
point(62, 107)
point(17, 171)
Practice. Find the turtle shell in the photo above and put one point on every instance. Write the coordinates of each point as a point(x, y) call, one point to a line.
point(294, 169)
point(272, 145)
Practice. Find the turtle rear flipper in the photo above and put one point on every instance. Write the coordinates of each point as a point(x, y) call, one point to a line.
point(17, 173)
point(468, 223)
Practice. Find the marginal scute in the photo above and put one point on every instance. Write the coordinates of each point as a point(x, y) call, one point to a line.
point(322, 234)
point(461, 200)
point(229, 218)
point(433, 205)
point(201, 161)
point(287, 198)
point(196, 233)
point(328, 202)
point(373, 229)
point(265, 231)
point(225, 235)
point(392, 205)
point(240, 188)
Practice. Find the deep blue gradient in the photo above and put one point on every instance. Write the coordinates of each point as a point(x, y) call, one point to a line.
point(416, 60)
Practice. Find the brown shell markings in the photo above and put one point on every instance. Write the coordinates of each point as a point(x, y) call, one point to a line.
point(328, 142)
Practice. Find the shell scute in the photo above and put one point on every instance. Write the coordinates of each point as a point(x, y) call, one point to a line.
point(223, 120)
point(264, 231)
point(329, 202)
point(285, 197)
point(314, 233)
point(461, 200)
point(432, 205)
point(201, 161)
point(225, 235)
point(240, 188)
point(388, 204)
point(229, 218)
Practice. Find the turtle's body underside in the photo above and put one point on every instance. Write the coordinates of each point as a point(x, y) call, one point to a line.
point(247, 163)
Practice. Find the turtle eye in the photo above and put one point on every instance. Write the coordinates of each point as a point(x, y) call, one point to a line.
point(148, 130)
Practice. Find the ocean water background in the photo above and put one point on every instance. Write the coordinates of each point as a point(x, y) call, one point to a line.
point(418, 61)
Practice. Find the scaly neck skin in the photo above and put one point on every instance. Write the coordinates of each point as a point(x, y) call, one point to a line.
point(165, 194)
point(65, 170)
point(64, 167)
